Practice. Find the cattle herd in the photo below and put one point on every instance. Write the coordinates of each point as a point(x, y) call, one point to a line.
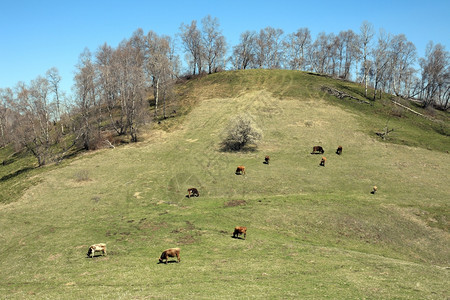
point(238, 230)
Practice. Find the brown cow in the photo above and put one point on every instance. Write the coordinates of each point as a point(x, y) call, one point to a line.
point(96, 248)
point(193, 192)
point(240, 170)
point(172, 252)
point(374, 190)
point(322, 161)
point(267, 159)
point(339, 150)
point(238, 230)
point(317, 150)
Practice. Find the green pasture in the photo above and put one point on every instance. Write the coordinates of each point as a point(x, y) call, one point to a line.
point(313, 232)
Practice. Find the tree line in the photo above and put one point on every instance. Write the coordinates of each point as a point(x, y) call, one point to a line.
point(114, 85)
point(387, 63)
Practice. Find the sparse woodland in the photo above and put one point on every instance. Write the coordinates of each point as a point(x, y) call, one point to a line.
point(117, 90)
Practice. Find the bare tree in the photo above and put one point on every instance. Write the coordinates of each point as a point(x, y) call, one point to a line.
point(366, 36)
point(131, 84)
point(346, 52)
point(435, 82)
point(350, 41)
point(260, 49)
point(107, 66)
point(6, 98)
point(32, 129)
point(191, 40)
point(296, 45)
point(159, 66)
point(381, 59)
point(213, 44)
point(54, 80)
point(403, 56)
point(174, 59)
point(268, 48)
point(321, 53)
point(244, 53)
point(275, 47)
point(334, 51)
point(87, 100)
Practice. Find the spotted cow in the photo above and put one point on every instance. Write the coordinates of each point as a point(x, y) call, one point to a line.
point(96, 248)
point(193, 192)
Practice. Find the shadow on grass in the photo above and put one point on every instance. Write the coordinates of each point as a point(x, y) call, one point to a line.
point(8, 161)
point(192, 196)
point(355, 90)
point(16, 173)
point(237, 238)
point(98, 255)
point(245, 149)
point(169, 262)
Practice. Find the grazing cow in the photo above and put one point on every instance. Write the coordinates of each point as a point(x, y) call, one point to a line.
point(374, 190)
point(240, 170)
point(339, 150)
point(267, 159)
point(96, 248)
point(317, 150)
point(322, 161)
point(172, 252)
point(193, 192)
point(238, 230)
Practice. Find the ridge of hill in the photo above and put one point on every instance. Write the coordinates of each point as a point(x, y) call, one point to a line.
point(430, 129)
point(312, 231)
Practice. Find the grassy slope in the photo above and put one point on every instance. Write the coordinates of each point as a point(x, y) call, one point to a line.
point(313, 232)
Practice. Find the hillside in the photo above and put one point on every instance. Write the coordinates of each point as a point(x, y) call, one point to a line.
point(313, 232)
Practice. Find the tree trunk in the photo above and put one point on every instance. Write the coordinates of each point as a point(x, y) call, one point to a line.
point(365, 83)
point(375, 90)
point(156, 82)
point(164, 105)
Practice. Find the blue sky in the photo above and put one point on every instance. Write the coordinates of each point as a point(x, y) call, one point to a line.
point(38, 35)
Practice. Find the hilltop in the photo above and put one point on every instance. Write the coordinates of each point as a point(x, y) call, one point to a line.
point(313, 232)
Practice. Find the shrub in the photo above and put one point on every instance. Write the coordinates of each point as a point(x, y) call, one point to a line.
point(241, 132)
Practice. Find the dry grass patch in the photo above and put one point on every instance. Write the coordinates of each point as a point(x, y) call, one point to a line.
point(82, 176)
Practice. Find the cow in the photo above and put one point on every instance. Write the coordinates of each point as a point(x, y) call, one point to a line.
point(317, 150)
point(374, 189)
point(238, 230)
point(171, 252)
point(96, 248)
point(322, 161)
point(267, 159)
point(339, 150)
point(193, 192)
point(240, 170)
